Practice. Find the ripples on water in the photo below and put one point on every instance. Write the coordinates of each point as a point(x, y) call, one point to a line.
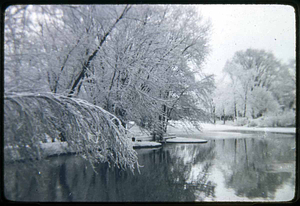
point(231, 169)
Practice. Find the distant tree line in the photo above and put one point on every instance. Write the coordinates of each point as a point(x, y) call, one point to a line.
point(259, 85)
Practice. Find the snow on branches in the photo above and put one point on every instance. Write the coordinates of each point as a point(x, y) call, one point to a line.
point(88, 129)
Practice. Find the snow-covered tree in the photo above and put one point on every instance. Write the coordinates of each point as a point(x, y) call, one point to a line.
point(255, 71)
point(89, 130)
point(224, 100)
point(22, 65)
point(261, 102)
point(284, 86)
point(148, 64)
point(133, 62)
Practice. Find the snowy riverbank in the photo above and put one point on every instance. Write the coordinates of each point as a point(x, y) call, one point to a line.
point(209, 131)
point(146, 144)
point(218, 127)
point(207, 127)
point(185, 140)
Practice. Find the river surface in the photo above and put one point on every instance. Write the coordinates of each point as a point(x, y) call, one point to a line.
point(241, 166)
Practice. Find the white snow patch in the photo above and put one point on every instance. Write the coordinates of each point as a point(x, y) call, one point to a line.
point(211, 127)
point(146, 144)
point(185, 140)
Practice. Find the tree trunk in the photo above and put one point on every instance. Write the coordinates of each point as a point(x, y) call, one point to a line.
point(86, 65)
point(214, 114)
point(224, 116)
point(245, 106)
point(235, 111)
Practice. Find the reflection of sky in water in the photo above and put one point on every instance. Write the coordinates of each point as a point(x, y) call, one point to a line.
point(268, 164)
point(283, 193)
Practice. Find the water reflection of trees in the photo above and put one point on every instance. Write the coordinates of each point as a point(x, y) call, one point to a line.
point(70, 178)
point(251, 165)
point(198, 158)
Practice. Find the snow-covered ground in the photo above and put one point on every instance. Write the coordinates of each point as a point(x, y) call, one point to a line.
point(146, 144)
point(211, 131)
point(206, 127)
point(185, 140)
point(218, 127)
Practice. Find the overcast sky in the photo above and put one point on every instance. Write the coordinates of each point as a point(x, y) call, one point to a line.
point(238, 27)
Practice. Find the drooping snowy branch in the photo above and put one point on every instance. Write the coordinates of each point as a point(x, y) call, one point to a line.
point(88, 129)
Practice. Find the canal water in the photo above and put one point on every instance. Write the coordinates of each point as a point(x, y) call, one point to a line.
point(242, 167)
